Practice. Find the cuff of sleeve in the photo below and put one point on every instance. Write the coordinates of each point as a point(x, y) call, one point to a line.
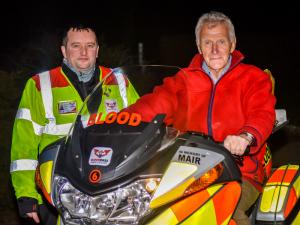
point(27, 205)
point(249, 137)
point(257, 135)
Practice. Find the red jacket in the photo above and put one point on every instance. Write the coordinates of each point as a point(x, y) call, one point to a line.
point(240, 101)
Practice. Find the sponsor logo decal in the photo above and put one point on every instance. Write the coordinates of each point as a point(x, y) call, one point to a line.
point(100, 156)
point(111, 105)
point(95, 176)
point(67, 107)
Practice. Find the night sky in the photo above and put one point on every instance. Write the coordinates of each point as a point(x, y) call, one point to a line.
point(267, 33)
point(148, 19)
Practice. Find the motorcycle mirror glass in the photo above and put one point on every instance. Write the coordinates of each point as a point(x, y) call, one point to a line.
point(281, 119)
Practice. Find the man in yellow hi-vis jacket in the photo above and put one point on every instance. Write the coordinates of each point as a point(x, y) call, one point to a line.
point(47, 109)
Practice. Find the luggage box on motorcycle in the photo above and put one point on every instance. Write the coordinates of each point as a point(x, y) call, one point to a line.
point(280, 200)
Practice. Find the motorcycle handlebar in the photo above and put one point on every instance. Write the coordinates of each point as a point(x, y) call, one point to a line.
point(239, 158)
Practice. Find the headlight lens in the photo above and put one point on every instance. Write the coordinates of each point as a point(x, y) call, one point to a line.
point(124, 205)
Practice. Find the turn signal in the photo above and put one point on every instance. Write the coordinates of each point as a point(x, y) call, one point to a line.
point(205, 180)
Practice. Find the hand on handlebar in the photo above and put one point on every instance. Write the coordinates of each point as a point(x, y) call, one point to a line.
point(237, 145)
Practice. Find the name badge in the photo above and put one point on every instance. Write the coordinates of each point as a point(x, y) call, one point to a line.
point(67, 107)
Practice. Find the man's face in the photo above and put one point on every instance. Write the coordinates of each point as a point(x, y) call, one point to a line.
point(81, 49)
point(215, 46)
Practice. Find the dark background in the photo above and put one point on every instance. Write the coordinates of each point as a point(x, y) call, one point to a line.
point(267, 33)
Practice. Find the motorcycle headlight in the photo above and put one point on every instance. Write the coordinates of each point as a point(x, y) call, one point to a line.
point(124, 205)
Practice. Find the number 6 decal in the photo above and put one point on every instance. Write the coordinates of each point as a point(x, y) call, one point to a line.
point(95, 176)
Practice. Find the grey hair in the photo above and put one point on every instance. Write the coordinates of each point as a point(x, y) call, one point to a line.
point(214, 18)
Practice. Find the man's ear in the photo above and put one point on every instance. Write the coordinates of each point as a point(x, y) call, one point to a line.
point(63, 51)
point(97, 52)
point(199, 49)
point(233, 45)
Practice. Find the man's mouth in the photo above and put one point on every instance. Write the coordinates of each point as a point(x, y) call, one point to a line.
point(83, 59)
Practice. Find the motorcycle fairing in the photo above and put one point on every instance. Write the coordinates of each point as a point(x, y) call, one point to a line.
point(215, 204)
point(195, 159)
point(133, 147)
point(187, 165)
point(45, 169)
point(280, 200)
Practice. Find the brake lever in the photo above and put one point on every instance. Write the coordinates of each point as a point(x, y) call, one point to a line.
point(239, 159)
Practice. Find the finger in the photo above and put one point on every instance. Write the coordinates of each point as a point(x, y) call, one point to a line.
point(34, 216)
point(227, 145)
point(241, 148)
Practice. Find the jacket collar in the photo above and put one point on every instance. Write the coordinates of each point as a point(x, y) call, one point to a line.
point(82, 88)
point(196, 62)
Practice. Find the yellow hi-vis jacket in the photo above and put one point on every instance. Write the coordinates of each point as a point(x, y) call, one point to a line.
point(46, 112)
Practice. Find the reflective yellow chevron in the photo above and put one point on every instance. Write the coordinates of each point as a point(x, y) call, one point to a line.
point(166, 218)
point(46, 173)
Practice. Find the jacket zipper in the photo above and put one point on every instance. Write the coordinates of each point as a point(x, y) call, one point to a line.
point(211, 100)
point(209, 117)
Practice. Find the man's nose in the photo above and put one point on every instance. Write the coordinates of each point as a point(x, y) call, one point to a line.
point(83, 50)
point(214, 48)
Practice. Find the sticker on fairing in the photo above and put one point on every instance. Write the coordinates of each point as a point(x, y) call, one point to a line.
point(111, 105)
point(95, 176)
point(67, 107)
point(100, 156)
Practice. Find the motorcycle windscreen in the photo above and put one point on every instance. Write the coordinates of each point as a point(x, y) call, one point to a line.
point(113, 134)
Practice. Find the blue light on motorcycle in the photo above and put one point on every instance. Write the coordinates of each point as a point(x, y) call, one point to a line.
point(125, 205)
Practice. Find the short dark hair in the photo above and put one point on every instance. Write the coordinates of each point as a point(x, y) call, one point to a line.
point(77, 27)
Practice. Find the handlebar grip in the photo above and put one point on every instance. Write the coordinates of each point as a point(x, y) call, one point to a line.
point(238, 158)
point(247, 150)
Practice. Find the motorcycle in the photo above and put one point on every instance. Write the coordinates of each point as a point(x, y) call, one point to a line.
point(115, 168)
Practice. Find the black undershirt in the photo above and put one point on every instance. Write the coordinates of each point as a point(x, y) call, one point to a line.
point(84, 89)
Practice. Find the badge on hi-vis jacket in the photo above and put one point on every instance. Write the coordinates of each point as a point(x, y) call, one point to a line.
point(67, 107)
point(111, 105)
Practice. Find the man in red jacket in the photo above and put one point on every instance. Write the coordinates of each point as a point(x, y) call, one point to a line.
point(222, 97)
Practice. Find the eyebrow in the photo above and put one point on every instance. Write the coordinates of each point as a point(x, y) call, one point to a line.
point(78, 42)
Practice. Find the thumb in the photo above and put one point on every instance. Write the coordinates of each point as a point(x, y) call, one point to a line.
point(34, 216)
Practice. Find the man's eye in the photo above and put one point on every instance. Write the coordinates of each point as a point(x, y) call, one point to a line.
point(75, 46)
point(222, 42)
point(91, 45)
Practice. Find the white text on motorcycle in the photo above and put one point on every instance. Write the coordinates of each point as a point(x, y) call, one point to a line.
point(132, 119)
